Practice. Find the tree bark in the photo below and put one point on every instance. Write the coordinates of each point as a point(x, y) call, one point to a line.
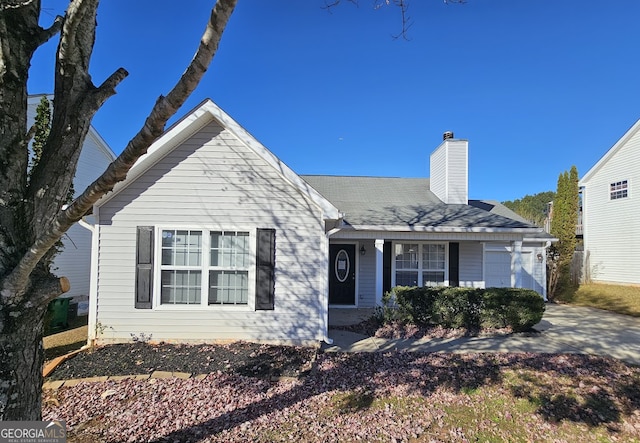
point(21, 357)
point(32, 210)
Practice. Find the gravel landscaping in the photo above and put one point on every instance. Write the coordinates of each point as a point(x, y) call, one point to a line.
point(395, 396)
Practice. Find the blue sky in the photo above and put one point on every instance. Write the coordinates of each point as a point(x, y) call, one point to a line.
point(534, 85)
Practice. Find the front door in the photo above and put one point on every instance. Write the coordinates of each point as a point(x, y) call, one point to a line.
point(342, 275)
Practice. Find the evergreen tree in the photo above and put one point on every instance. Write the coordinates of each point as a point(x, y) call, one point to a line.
point(563, 226)
point(41, 128)
point(532, 207)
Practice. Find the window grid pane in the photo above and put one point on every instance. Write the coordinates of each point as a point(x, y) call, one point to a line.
point(180, 287)
point(230, 249)
point(181, 248)
point(406, 256)
point(619, 190)
point(433, 256)
point(433, 279)
point(228, 287)
point(420, 264)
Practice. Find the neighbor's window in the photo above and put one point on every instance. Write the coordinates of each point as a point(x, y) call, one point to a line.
point(619, 190)
point(220, 257)
point(420, 264)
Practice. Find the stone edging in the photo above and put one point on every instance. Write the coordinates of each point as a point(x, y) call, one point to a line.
point(54, 385)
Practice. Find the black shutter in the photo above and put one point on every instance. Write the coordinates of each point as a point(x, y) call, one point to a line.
point(144, 267)
point(265, 269)
point(386, 267)
point(454, 264)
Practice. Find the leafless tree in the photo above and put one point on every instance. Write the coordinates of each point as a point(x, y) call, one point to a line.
point(32, 215)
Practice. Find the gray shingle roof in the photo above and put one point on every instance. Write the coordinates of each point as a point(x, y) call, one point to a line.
point(407, 202)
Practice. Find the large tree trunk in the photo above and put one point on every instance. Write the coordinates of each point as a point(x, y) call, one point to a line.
point(22, 357)
point(31, 218)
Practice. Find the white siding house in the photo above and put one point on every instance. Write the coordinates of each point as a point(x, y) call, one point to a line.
point(211, 237)
point(74, 262)
point(611, 213)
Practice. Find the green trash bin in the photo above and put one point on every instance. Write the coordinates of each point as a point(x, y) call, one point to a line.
point(59, 313)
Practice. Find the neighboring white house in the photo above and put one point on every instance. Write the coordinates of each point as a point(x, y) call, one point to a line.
point(211, 237)
point(611, 213)
point(74, 262)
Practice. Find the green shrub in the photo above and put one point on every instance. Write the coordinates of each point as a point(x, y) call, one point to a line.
point(517, 308)
point(458, 308)
point(468, 308)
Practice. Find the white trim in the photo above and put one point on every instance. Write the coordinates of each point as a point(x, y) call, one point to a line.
point(484, 265)
point(379, 245)
point(93, 280)
point(516, 264)
point(194, 121)
point(204, 267)
point(356, 288)
point(444, 229)
point(418, 269)
point(610, 153)
point(324, 292)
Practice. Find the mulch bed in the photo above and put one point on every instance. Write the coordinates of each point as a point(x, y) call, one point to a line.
point(241, 358)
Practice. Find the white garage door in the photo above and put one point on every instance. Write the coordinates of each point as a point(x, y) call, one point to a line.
point(498, 270)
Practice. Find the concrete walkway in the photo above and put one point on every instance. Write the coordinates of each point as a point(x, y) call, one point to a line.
point(563, 329)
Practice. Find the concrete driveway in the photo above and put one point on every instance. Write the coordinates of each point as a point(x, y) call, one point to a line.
point(563, 329)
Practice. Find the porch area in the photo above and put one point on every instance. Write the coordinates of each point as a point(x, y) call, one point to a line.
point(348, 316)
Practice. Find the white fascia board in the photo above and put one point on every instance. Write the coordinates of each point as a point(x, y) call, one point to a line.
point(540, 240)
point(167, 142)
point(605, 158)
point(446, 229)
point(102, 144)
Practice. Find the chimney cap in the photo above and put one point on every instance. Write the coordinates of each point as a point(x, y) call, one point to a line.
point(447, 135)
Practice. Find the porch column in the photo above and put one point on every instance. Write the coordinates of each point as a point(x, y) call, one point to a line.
point(379, 270)
point(516, 264)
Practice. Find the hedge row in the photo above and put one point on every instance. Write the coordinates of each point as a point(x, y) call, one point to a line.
point(469, 308)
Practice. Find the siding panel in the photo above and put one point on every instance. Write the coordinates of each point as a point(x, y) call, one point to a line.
point(213, 181)
point(612, 227)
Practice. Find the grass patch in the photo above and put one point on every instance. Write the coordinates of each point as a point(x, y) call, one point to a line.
point(616, 298)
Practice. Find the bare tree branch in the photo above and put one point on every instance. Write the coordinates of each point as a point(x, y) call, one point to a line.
point(46, 34)
point(164, 108)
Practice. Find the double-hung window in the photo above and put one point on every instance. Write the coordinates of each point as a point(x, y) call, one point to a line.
point(420, 264)
point(619, 190)
point(201, 267)
point(181, 267)
point(229, 268)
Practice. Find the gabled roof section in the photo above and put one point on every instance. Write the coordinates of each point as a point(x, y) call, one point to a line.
point(389, 203)
point(611, 152)
point(32, 104)
point(201, 115)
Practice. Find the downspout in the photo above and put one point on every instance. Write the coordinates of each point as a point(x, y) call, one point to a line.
point(93, 305)
point(544, 270)
point(325, 302)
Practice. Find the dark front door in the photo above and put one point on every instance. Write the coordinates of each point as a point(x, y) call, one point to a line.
point(342, 274)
